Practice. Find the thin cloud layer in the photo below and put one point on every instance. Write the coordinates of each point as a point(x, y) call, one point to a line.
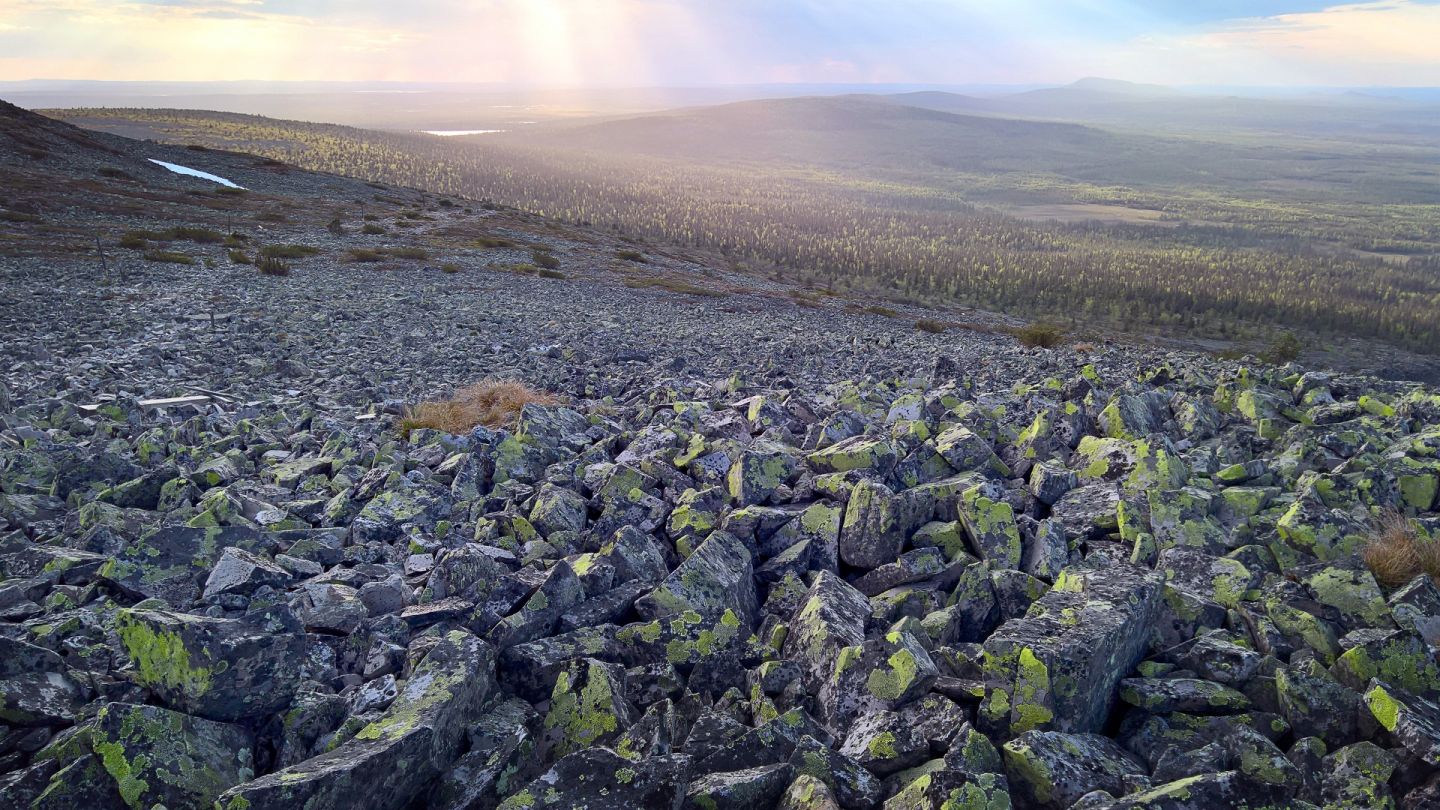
point(677, 42)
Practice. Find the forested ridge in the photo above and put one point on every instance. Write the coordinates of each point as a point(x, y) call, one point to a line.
point(1321, 258)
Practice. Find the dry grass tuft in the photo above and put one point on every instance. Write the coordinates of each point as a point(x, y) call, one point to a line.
point(1042, 335)
point(1398, 552)
point(492, 403)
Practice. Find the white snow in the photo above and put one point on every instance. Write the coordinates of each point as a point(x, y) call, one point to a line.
point(178, 169)
point(450, 133)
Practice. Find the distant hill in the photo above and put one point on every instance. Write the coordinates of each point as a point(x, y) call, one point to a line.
point(1153, 108)
point(875, 135)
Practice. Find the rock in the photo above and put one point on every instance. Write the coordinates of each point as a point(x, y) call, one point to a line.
point(221, 669)
point(160, 757)
point(716, 578)
point(1317, 705)
point(1059, 666)
point(740, 790)
point(1414, 721)
point(877, 521)
point(240, 572)
point(502, 747)
point(173, 562)
point(390, 761)
point(598, 778)
point(1162, 695)
point(1053, 769)
point(587, 706)
point(557, 510)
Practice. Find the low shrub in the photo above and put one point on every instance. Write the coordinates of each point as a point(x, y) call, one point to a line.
point(632, 256)
point(546, 272)
point(449, 267)
point(373, 230)
point(542, 259)
point(493, 403)
point(1284, 349)
point(876, 309)
point(134, 240)
point(1042, 335)
point(239, 257)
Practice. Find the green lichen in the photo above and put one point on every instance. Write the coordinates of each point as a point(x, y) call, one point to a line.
point(883, 746)
point(161, 657)
point(1384, 706)
point(892, 683)
point(126, 774)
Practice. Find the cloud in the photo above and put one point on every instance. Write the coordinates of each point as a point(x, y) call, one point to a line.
point(671, 42)
point(1388, 42)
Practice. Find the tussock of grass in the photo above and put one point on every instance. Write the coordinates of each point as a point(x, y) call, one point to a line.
point(167, 257)
point(289, 251)
point(490, 242)
point(1398, 552)
point(674, 285)
point(876, 309)
point(631, 256)
point(933, 327)
point(272, 266)
point(492, 403)
point(381, 254)
point(1043, 335)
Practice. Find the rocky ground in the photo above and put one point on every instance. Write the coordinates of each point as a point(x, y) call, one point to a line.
point(769, 551)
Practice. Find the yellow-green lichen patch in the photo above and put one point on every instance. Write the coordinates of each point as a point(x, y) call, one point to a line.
point(161, 656)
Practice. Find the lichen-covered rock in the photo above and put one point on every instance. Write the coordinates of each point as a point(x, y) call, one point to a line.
point(831, 617)
point(1059, 666)
point(877, 521)
point(716, 578)
point(1163, 695)
point(1414, 721)
point(598, 778)
point(557, 509)
point(240, 572)
point(222, 669)
point(759, 471)
point(740, 790)
point(389, 761)
point(587, 706)
point(1053, 769)
point(1315, 704)
point(160, 757)
point(173, 562)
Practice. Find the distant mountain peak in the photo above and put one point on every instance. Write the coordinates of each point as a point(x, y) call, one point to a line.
point(1121, 87)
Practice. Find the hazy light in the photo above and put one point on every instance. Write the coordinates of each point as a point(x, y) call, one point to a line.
point(690, 42)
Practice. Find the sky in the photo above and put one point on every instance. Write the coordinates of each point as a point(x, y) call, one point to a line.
point(705, 42)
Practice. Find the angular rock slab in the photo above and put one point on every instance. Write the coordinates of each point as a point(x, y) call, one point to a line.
point(160, 757)
point(1057, 668)
point(391, 760)
point(222, 669)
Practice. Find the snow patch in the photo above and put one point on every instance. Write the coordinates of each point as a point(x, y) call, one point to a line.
point(450, 133)
point(186, 170)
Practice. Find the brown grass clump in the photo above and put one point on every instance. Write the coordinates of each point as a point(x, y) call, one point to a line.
point(492, 403)
point(933, 327)
point(1398, 552)
point(1043, 335)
